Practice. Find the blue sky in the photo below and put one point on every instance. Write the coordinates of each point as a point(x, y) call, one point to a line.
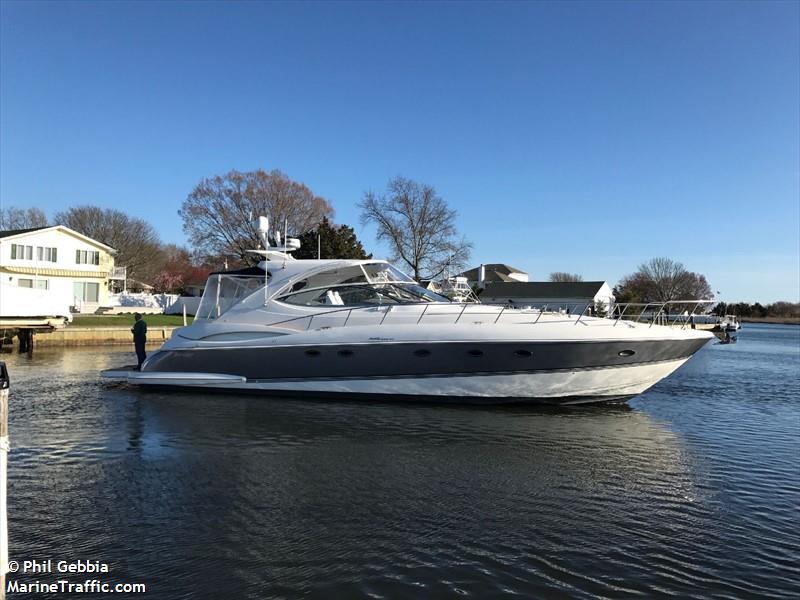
point(582, 137)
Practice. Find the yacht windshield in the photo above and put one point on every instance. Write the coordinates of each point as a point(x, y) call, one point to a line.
point(377, 294)
point(223, 291)
point(359, 285)
point(381, 273)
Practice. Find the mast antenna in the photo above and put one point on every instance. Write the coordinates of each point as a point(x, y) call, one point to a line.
point(263, 233)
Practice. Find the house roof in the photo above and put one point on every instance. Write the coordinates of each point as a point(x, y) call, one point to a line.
point(494, 272)
point(543, 289)
point(9, 233)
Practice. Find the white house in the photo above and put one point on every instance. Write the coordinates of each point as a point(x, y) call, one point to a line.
point(554, 295)
point(493, 273)
point(67, 267)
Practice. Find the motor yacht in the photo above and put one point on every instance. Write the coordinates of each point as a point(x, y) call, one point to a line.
point(362, 328)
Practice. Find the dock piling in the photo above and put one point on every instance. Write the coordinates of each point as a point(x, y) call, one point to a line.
point(5, 385)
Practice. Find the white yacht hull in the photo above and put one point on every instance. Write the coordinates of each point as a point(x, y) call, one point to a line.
point(563, 387)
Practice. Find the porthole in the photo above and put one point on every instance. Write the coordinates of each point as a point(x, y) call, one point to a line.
point(312, 352)
point(475, 352)
point(422, 353)
point(523, 353)
point(626, 353)
point(345, 353)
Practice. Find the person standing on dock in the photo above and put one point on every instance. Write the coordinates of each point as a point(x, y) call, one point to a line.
point(139, 331)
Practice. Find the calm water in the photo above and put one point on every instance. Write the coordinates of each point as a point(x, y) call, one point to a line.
point(692, 490)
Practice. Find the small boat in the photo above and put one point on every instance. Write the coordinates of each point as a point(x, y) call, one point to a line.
point(457, 290)
point(729, 323)
point(364, 329)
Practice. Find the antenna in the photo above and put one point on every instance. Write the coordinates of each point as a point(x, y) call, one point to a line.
point(263, 233)
point(285, 239)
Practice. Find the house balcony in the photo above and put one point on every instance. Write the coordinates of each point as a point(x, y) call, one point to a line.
point(118, 273)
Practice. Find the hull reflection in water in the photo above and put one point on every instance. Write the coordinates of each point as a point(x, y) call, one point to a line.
point(396, 500)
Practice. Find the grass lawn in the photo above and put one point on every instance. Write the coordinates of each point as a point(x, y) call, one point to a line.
point(127, 320)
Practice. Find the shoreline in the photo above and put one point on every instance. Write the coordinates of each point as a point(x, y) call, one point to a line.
point(772, 320)
point(121, 336)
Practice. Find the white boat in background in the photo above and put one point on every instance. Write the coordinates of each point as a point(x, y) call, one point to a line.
point(729, 323)
point(457, 289)
point(21, 306)
point(361, 328)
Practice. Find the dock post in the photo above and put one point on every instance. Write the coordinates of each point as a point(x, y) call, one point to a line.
point(4, 447)
point(25, 341)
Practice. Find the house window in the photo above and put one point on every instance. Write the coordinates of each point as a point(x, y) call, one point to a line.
point(87, 257)
point(86, 291)
point(39, 284)
point(21, 252)
point(46, 254)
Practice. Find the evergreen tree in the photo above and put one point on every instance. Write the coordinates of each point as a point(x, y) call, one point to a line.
point(335, 241)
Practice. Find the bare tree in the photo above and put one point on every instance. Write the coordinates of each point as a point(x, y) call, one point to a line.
point(418, 226)
point(662, 279)
point(562, 276)
point(136, 242)
point(219, 215)
point(22, 218)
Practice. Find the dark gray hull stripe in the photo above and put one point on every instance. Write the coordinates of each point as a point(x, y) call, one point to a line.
point(420, 342)
point(418, 359)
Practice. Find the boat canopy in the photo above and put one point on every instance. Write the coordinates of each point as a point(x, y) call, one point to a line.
point(356, 285)
point(224, 290)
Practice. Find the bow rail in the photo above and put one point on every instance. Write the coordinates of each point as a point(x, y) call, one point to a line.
point(671, 313)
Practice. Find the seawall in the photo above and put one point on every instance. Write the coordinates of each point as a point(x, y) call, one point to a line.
point(100, 336)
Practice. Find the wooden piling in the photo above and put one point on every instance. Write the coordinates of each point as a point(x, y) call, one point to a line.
point(4, 446)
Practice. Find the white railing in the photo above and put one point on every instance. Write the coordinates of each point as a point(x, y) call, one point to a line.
point(658, 313)
point(120, 273)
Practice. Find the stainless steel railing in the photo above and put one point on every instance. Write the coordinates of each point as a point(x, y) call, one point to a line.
point(655, 313)
point(659, 313)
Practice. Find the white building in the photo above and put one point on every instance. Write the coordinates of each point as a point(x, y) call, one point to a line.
point(554, 295)
point(493, 273)
point(62, 265)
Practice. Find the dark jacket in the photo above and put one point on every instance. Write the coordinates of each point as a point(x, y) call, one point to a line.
point(139, 330)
